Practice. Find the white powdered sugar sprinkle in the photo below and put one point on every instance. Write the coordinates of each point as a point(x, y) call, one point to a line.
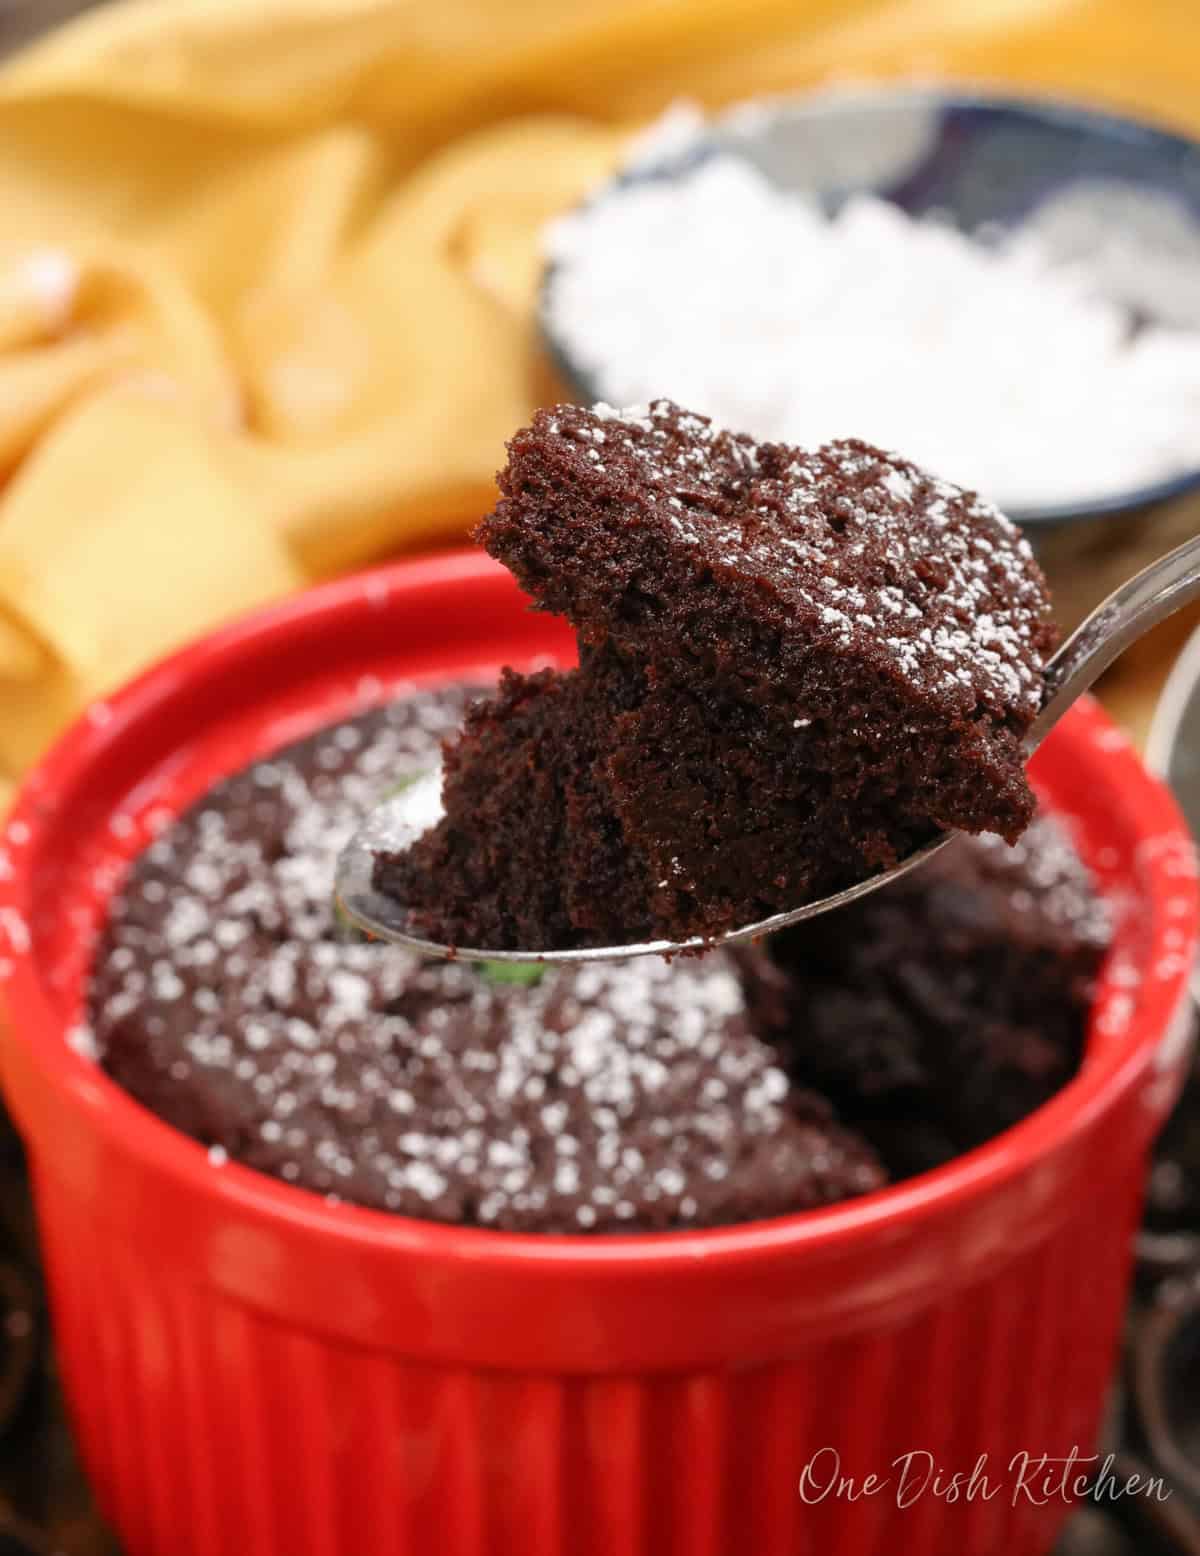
point(225, 998)
point(873, 556)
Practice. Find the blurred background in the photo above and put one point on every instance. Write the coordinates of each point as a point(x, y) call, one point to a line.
point(269, 289)
point(268, 275)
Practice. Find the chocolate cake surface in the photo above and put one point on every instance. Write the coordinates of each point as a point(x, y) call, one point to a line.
point(795, 668)
point(627, 1096)
point(624, 1097)
point(944, 1008)
point(706, 550)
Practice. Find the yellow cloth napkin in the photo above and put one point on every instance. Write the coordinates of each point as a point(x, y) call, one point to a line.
point(267, 270)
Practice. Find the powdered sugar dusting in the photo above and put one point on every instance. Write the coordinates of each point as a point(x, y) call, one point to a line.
point(875, 556)
point(228, 999)
point(1043, 863)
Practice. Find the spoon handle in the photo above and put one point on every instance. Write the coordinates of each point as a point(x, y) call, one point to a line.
point(1141, 603)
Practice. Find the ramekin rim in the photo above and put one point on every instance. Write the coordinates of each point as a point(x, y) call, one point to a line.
point(133, 1128)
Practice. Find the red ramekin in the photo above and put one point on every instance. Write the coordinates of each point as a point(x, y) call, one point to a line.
point(254, 1372)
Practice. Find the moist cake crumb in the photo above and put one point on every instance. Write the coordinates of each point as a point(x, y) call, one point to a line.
point(949, 1005)
point(795, 667)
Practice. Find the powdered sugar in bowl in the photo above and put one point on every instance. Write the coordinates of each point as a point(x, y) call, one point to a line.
point(1007, 289)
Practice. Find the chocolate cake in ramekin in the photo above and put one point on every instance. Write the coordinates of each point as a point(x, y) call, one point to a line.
point(254, 1363)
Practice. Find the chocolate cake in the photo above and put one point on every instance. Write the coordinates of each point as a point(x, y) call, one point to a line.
point(228, 1000)
point(795, 668)
point(627, 1096)
point(524, 771)
point(947, 1006)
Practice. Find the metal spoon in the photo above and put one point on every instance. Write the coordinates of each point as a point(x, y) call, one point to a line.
point(1128, 612)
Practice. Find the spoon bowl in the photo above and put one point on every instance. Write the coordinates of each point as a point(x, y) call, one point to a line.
point(398, 822)
point(1141, 603)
